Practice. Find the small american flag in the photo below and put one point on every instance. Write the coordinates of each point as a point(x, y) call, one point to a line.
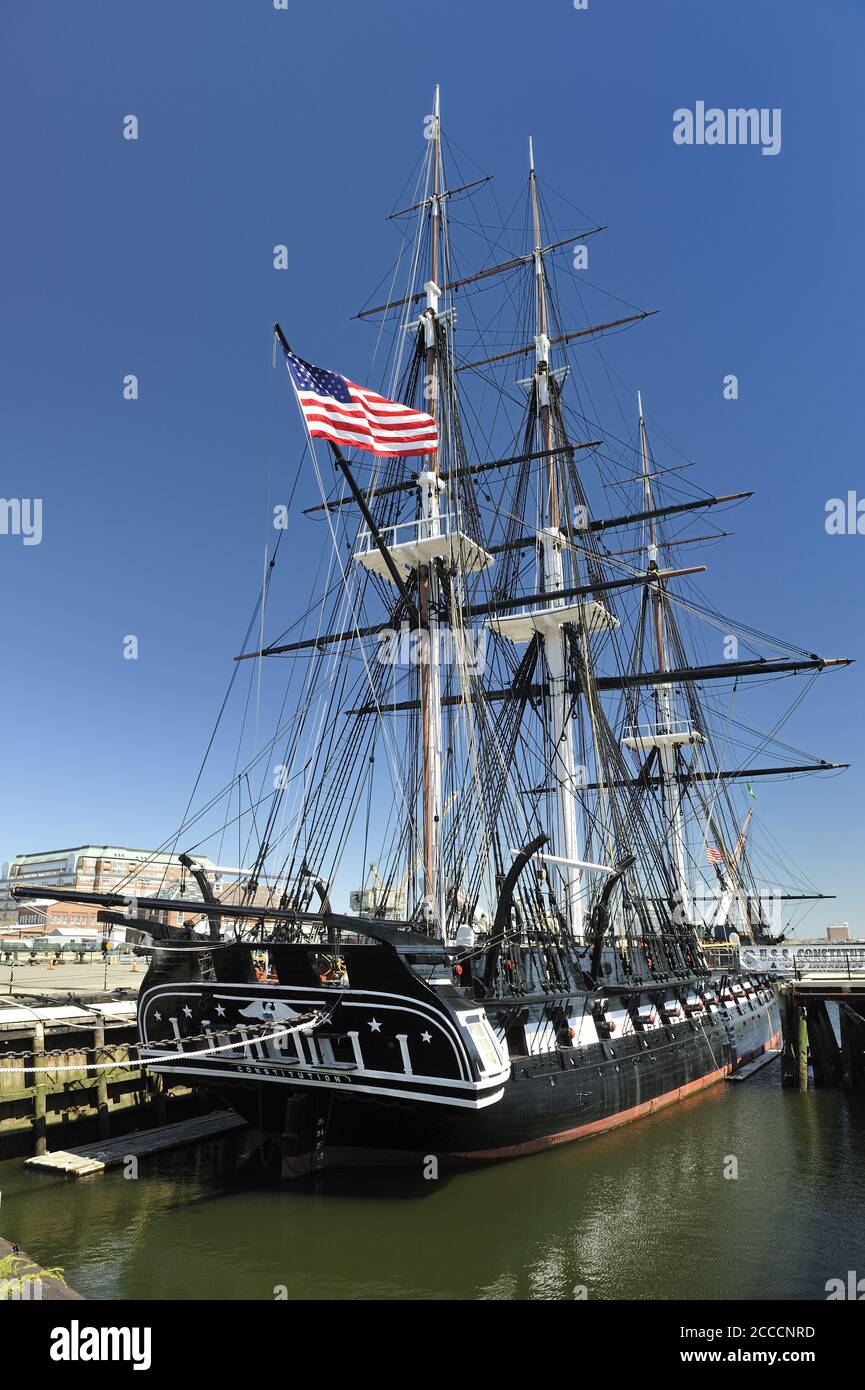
point(334, 408)
point(714, 854)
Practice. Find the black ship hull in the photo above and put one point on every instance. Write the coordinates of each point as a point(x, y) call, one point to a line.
point(547, 1101)
point(400, 1070)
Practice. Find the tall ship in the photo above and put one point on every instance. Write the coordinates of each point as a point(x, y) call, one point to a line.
point(499, 841)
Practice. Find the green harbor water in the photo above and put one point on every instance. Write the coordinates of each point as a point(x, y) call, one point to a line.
point(645, 1212)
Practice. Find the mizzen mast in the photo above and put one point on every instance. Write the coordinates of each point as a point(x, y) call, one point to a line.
point(667, 734)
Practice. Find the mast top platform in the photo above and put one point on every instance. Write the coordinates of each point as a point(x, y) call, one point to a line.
point(410, 549)
point(645, 738)
point(589, 616)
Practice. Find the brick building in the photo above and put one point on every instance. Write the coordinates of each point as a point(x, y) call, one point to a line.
point(93, 869)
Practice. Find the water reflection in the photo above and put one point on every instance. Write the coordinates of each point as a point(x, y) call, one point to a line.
point(644, 1212)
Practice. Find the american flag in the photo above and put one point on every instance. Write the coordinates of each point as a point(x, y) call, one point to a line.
point(714, 854)
point(334, 408)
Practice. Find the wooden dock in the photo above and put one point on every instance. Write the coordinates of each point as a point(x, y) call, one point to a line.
point(95, 1158)
point(70, 1062)
point(747, 1071)
point(808, 1033)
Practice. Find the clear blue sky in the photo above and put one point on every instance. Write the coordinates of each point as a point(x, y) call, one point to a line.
point(259, 127)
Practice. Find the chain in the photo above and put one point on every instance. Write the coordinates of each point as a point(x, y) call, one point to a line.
point(308, 1021)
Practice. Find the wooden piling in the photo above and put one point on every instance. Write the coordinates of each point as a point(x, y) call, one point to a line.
point(40, 1091)
point(808, 1027)
point(803, 1049)
point(852, 1047)
point(102, 1123)
point(789, 1038)
point(825, 1054)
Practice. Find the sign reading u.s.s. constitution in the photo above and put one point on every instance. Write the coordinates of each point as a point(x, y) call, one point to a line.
point(786, 959)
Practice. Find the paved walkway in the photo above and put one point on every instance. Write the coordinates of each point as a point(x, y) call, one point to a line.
point(20, 978)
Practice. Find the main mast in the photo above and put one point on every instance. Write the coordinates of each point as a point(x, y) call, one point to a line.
point(430, 485)
point(564, 614)
point(551, 541)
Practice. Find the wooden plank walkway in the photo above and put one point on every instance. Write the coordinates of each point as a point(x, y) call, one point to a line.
point(111, 1153)
point(744, 1073)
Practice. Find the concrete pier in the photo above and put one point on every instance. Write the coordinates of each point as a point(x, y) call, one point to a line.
point(22, 1280)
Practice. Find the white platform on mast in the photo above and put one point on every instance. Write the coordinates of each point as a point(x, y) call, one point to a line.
point(521, 627)
point(651, 736)
point(416, 550)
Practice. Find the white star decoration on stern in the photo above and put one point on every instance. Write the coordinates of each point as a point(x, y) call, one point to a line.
point(375, 1025)
point(187, 1011)
point(426, 1037)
